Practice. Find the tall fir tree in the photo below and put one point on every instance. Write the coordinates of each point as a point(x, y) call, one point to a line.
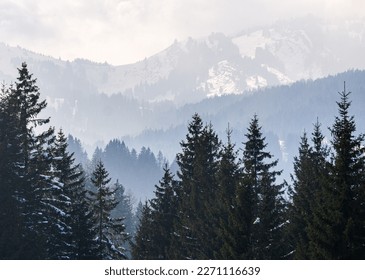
point(338, 233)
point(186, 160)
point(156, 230)
point(79, 241)
point(260, 202)
point(143, 245)
point(198, 164)
point(348, 176)
point(54, 200)
point(300, 211)
point(164, 212)
point(110, 231)
point(37, 190)
point(228, 180)
point(310, 175)
point(11, 221)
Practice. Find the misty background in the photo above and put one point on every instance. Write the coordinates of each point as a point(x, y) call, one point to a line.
point(125, 31)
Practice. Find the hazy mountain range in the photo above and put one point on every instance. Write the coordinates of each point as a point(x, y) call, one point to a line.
point(150, 102)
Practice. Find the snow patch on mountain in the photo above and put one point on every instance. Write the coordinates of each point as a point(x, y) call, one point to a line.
point(223, 79)
point(282, 78)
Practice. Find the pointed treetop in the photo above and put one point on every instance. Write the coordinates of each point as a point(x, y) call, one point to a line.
point(344, 104)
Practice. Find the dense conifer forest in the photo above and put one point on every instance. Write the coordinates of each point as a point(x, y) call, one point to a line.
point(226, 200)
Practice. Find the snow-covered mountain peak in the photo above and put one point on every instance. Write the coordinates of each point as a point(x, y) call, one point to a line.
point(192, 69)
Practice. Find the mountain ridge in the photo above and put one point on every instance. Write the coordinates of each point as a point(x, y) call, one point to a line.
point(191, 70)
point(149, 94)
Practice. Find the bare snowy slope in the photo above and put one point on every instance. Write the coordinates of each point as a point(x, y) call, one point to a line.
point(307, 48)
point(286, 52)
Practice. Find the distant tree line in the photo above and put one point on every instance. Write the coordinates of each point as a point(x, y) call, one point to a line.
point(124, 164)
point(224, 202)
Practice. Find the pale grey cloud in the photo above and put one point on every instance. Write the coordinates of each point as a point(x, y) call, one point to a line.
point(121, 31)
point(18, 20)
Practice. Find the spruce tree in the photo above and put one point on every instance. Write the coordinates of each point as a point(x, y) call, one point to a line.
point(110, 231)
point(260, 202)
point(11, 221)
point(80, 238)
point(188, 202)
point(144, 246)
point(348, 178)
point(210, 198)
point(310, 176)
point(163, 212)
point(198, 164)
point(338, 232)
point(54, 200)
point(228, 179)
point(37, 189)
point(156, 229)
point(300, 211)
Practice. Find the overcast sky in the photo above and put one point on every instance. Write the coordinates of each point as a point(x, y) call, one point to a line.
point(125, 31)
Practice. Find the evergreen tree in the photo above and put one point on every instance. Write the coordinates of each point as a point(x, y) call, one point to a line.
point(80, 239)
point(37, 190)
point(260, 202)
point(198, 164)
point(143, 247)
point(11, 221)
point(228, 179)
point(55, 201)
point(300, 211)
point(310, 175)
point(33, 186)
point(338, 232)
point(110, 231)
point(209, 166)
point(348, 179)
point(188, 202)
point(270, 221)
point(154, 235)
point(163, 212)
